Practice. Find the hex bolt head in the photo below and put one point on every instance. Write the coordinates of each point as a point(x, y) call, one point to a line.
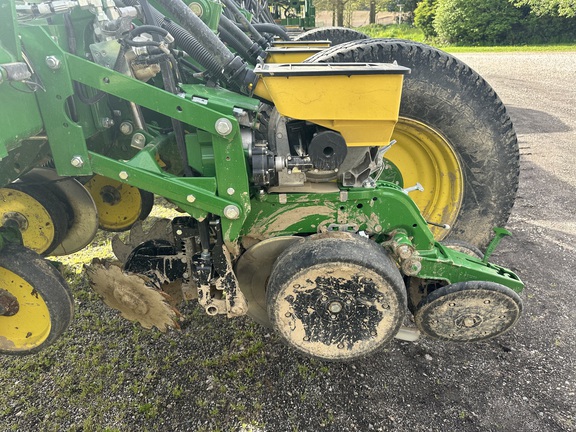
point(77, 161)
point(123, 175)
point(230, 191)
point(223, 126)
point(53, 62)
point(190, 198)
point(126, 128)
point(231, 212)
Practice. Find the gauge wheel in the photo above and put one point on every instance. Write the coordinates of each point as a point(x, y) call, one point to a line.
point(336, 35)
point(454, 137)
point(36, 305)
point(336, 297)
point(37, 212)
point(119, 205)
point(82, 212)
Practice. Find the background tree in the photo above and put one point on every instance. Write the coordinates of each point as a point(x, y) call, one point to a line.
point(424, 15)
point(565, 8)
point(476, 22)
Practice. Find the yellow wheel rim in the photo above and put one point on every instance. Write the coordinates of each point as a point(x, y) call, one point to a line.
point(119, 205)
point(34, 221)
point(31, 325)
point(424, 156)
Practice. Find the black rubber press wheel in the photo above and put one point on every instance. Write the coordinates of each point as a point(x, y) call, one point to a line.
point(336, 296)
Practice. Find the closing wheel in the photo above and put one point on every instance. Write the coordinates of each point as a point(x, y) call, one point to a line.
point(39, 215)
point(39, 304)
point(336, 297)
point(119, 205)
point(468, 311)
point(253, 270)
point(83, 215)
point(454, 137)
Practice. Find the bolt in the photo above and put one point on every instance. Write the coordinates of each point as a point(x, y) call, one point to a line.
point(123, 175)
point(411, 267)
point(190, 198)
point(126, 128)
point(77, 161)
point(335, 307)
point(231, 212)
point(53, 63)
point(107, 122)
point(223, 126)
point(416, 187)
point(138, 141)
point(230, 191)
point(404, 251)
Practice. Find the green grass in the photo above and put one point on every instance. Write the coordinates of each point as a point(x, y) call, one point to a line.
point(397, 31)
point(406, 31)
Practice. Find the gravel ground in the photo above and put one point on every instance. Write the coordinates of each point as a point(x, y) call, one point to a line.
point(231, 375)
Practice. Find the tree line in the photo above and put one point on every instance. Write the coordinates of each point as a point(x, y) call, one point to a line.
point(474, 22)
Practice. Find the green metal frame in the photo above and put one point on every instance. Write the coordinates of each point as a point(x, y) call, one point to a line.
point(384, 212)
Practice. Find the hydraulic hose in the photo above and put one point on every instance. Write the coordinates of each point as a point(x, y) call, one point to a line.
point(186, 41)
point(246, 25)
point(273, 29)
point(238, 40)
point(234, 69)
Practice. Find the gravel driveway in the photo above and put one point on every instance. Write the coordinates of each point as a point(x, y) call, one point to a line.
point(108, 374)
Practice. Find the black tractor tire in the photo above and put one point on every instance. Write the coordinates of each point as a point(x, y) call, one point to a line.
point(336, 35)
point(449, 97)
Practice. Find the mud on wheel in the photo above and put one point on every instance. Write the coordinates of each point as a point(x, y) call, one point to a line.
point(453, 136)
point(35, 303)
point(336, 296)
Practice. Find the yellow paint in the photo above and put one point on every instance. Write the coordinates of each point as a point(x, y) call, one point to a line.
point(363, 108)
point(290, 55)
point(34, 221)
point(119, 213)
point(424, 156)
point(31, 325)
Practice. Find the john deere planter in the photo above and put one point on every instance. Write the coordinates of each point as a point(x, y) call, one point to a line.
point(316, 182)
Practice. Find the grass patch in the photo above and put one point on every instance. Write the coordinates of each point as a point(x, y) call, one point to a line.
point(406, 31)
point(397, 31)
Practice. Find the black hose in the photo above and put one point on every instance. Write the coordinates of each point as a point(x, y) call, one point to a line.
point(137, 31)
point(245, 24)
point(237, 39)
point(233, 68)
point(273, 29)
